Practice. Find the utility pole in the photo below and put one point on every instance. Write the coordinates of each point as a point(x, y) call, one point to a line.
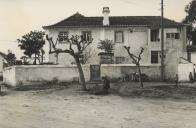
point(162, 43)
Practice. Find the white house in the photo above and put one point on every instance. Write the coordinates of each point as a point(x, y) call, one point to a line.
point(133, 31)
point(2, 60)
point(192, 53)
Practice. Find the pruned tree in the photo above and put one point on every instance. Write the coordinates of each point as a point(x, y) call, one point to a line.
point(86, 55)
point(81, 43)
point(32, 43)
point(136, 61)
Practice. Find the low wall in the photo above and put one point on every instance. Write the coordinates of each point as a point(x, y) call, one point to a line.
point(119, 70)
point(9, 76)
point(184, 70)
point(28, 74)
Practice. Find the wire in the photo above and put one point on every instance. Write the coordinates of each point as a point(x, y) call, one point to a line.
point(8, 41)
point(139, 4)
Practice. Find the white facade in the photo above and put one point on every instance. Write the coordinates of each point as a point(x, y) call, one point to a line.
point(193, 57)
point(131, 33)
point(135, 37)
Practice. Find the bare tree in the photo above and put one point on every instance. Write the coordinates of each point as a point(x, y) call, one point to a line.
point(136, 61)
point(81, 43)
point(86, 56)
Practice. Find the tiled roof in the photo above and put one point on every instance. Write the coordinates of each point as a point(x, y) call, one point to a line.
point(78, 20)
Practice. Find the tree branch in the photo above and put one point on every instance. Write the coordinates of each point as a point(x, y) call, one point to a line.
point(130, 54)
point(142, 50)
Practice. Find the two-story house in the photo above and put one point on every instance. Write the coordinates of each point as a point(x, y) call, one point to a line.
point(133, 31)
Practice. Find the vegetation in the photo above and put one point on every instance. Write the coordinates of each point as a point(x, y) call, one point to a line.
point(106, 45)
point(24, 59)
point(11, 58)
point(190, 9)
point(32, 43)
point(75, 41)
point(136, 61)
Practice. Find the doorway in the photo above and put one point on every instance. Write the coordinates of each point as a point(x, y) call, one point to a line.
point(95, 72)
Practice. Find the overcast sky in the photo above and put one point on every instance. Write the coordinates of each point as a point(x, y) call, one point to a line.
point(18, 17)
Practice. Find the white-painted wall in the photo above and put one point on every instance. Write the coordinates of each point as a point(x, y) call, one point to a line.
point(119, 70)
point(29, 74)
point(136, 39)
point(184, 70)
point(9, 76)
point(193, 57)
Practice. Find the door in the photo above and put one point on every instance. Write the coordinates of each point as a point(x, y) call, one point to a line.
point(95, 72)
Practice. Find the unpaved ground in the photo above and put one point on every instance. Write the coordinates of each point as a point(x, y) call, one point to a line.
point(70, 108)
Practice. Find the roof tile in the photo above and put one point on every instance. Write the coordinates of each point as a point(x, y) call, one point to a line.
point(77, 20)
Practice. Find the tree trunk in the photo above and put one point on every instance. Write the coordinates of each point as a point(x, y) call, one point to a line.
point(57, 58)
point(35, 60)
point(42, 58)
point(81, 73)
point(140, 76)
point(38, 58)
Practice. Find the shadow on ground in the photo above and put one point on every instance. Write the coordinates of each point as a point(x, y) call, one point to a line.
point(125, 89)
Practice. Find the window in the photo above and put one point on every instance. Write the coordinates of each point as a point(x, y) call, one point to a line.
point(120, 60)
point(106, 59)
point(63, 37)
point(167, 35)
point(119, 37)
point(154, 57)
point(173, 35)
point(177, 36)
point(86, 35)
point(154, 35)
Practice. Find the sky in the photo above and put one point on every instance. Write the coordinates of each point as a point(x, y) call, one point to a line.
point(18, 17)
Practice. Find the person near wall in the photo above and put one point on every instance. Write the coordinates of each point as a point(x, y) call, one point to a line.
point(101, 89)
point(106, 84)
point(191, 77)
point(176, 80)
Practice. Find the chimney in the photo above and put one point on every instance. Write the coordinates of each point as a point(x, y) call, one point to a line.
point(106, 12)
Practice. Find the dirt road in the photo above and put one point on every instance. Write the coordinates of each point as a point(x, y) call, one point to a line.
point(69, 109)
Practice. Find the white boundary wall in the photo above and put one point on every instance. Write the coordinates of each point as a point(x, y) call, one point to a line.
point(29, 74)
point(184, 71)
